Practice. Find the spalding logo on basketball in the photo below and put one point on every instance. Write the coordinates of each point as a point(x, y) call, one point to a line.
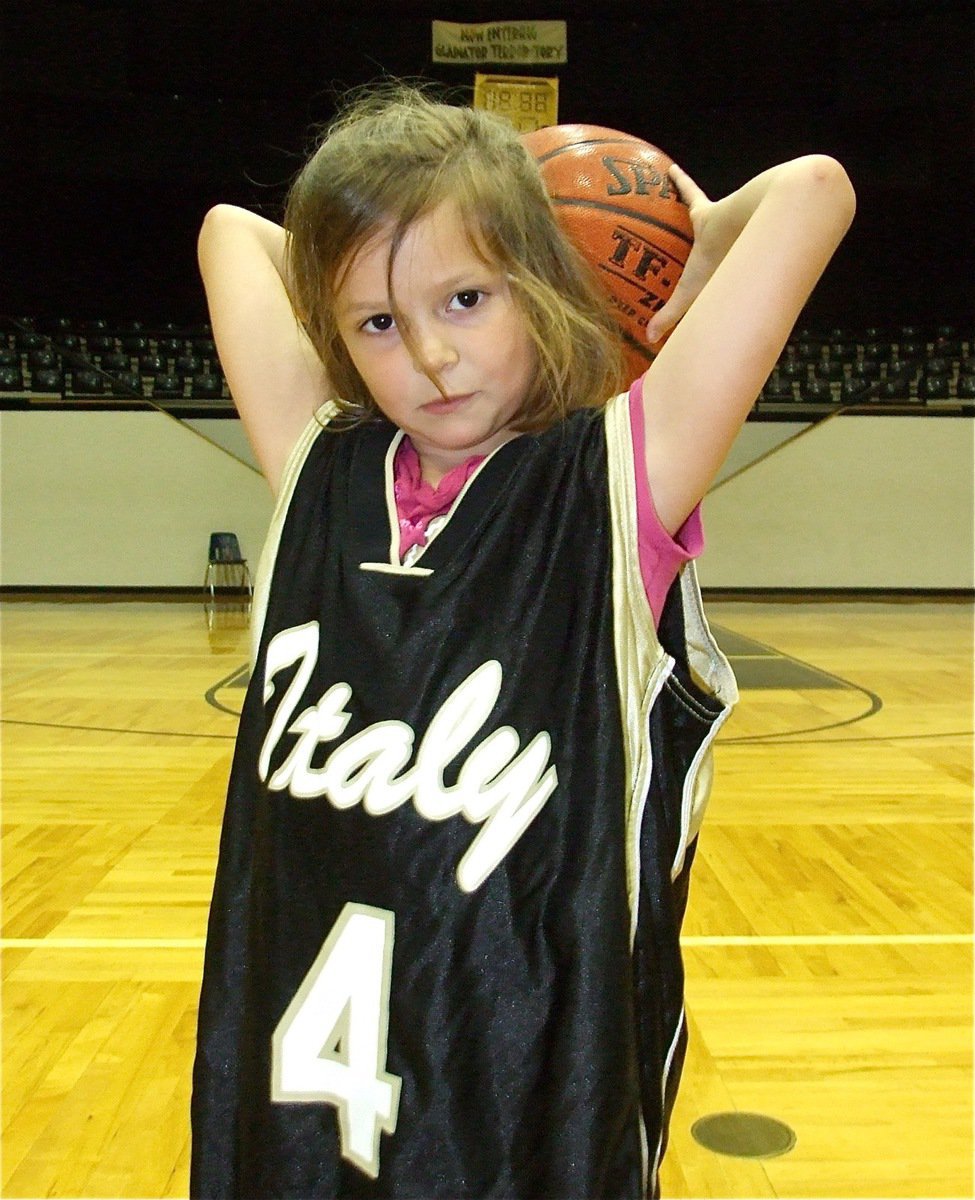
point(616, 203)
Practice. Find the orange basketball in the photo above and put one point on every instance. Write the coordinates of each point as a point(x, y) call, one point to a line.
point(617, 205)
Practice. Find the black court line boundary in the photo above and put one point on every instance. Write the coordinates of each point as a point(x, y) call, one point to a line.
point(165, 733)
point(231, 680)
point(874, 703)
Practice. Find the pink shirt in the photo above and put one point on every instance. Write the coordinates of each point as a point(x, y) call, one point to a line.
point(661, 556)
point(418, 502)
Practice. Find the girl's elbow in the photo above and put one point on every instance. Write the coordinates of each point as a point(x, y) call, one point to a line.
point(207, 226)
point(828, 179)
point(214, 226)
point(215, 217)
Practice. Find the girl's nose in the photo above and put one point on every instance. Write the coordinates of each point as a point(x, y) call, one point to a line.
point(434, 353)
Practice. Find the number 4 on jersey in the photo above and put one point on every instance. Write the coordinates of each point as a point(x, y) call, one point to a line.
point(330, 1045)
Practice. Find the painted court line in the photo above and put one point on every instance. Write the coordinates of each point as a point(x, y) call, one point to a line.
point(837, 939)
point(60, 943)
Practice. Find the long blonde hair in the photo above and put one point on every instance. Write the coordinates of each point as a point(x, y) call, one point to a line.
point(392, 156)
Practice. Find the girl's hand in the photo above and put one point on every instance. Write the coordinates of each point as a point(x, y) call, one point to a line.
point(712, 241)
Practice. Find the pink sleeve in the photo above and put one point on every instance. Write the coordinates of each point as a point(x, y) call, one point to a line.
point(661, 555)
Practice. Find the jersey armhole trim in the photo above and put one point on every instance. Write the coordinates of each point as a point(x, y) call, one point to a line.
point(289, 480)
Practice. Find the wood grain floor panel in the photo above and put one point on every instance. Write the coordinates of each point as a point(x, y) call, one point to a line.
point(864, 1051)
point(99, 1105)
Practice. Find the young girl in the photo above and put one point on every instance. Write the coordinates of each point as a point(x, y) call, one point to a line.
point(443, 954)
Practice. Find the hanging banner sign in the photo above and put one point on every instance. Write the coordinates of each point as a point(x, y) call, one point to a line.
point(527, 101)
point(535, 43)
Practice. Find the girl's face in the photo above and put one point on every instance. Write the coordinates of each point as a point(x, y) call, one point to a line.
point(466, 330)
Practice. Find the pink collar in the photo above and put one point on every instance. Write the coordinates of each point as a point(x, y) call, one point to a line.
point(418, 502)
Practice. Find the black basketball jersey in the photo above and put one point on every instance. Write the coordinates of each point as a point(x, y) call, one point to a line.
point(443, 957)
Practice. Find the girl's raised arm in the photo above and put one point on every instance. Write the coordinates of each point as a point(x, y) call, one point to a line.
point(274, 374)
point(757, 256)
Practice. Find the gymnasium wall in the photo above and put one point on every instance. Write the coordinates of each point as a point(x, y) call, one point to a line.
point(118, 499)
point(128, 499)
point(852, 502)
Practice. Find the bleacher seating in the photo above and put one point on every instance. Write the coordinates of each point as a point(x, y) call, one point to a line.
point(85, 363)
point(899, 370)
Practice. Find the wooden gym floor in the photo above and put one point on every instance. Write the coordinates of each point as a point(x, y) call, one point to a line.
point(828, 942)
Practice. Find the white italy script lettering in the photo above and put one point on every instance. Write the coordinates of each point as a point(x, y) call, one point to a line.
point(497, 787)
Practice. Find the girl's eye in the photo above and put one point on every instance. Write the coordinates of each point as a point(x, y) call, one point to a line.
point(379, 323)
point(469, 298)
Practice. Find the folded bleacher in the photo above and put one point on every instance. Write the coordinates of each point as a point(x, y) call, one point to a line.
point(906, 369)
point(97, 363)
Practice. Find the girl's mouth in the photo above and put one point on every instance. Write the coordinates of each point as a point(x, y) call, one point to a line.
point(451, 404)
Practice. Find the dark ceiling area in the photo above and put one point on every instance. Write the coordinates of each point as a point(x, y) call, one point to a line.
point(122, 122)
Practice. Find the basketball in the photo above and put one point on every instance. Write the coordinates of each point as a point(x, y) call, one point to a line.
point(613, 198)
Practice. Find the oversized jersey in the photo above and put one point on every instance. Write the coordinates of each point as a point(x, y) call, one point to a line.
point(443, 954)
